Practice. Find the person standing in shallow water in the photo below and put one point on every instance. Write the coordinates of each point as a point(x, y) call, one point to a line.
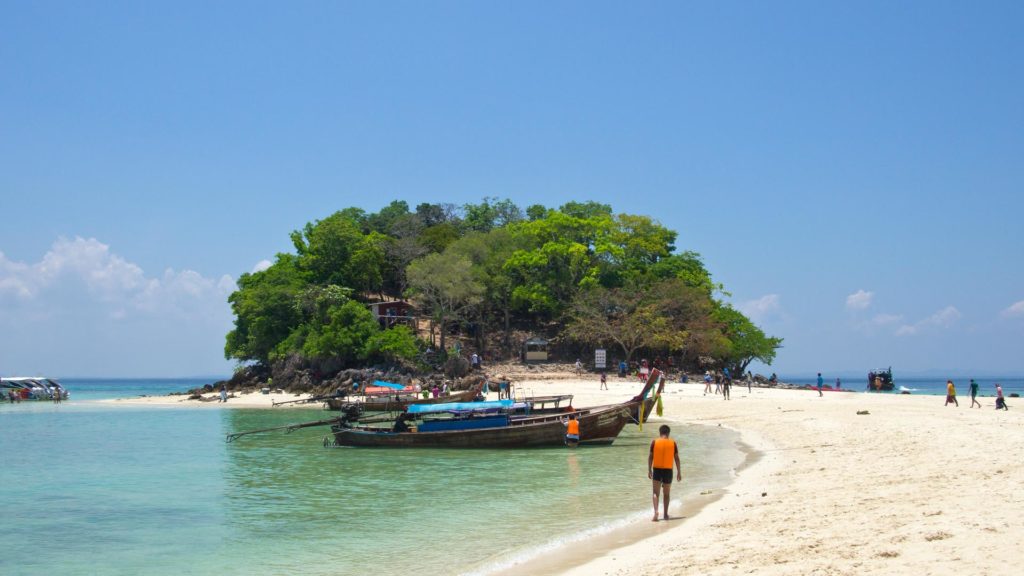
point(664, 453)
point(572, 431)
point(951, 394)
point(974, 394)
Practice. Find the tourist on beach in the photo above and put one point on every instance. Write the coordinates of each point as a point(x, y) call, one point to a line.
point(974, 394)
point(664, 453)
point(644, 370)
point(572, 430)
point(223, 393)
point(435, 391)
point(604, 381)
point(821, 384)
point(444, 389)
point(838, 384)
point(707, 382)
point(951, 394)
point(718, 383)
point(750, 383)
point(475, 361)
point(1000, 401)
point(623, 368)
point(579, 367)
point(726, 388)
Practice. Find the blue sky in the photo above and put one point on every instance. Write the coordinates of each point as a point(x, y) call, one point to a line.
point(850, 171)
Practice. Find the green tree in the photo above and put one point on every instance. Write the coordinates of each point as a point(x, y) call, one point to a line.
point(393, 344)
point(385, 219)
point(344, 334)
point(488, 254)
point(264, 309)
point(445, 285)
point(325, 249)
point(746, 341)
point(627, 318)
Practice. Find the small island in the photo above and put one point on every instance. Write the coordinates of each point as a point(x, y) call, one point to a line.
point(440, 289)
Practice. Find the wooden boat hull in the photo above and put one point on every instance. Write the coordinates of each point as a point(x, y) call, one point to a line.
point(386, 404)
point(634, 411)
point(599, 426)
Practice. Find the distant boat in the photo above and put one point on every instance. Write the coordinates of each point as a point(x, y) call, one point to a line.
point(33, 388)
point(880, 380)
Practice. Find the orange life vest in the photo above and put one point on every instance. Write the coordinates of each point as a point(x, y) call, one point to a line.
point(573, 427)
point(664, 453)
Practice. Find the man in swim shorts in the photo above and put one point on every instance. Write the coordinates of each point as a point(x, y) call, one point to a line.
point(664, 453)
point(974, 394)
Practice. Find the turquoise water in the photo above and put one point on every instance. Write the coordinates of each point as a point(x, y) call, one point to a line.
point(928, 386)
point(97, 489)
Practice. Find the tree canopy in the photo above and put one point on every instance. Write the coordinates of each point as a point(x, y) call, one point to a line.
point(580, 273)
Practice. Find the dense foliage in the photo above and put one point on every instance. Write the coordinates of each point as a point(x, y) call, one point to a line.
point(581, 274)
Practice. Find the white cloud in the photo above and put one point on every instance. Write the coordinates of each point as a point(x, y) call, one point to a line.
point(261, 266)
point(859, 300)
point(1014, 310)
point(942, 319)
point(886, 319)
point(83, 310)
point(762, 308)
point(87, 267)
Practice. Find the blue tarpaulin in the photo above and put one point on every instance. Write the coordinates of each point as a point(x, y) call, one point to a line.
point(459, 406)
point(391, 385)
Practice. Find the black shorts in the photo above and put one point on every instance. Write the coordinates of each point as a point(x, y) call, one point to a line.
point(663, 475)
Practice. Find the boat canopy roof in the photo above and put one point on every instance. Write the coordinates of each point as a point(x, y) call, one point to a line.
point(391, 385)
point(459, 406)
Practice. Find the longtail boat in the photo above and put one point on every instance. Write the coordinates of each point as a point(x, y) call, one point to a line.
point(645, 398)
point(479, 427)
point(400, 403)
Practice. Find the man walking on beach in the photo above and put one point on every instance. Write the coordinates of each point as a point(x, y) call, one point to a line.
point(821, 384)
point(1000, 401)
point(664, 453)
point(974, 394)
point(951, 394)
point(707, 382)
point(604, 381)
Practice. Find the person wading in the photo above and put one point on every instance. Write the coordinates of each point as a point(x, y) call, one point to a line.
point(572, 431)
point(664, 453)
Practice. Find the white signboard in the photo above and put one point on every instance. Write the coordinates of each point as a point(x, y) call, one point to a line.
point(599, 359)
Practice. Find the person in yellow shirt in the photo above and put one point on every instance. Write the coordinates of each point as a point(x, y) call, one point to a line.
point(664, 453)
point(951, 394)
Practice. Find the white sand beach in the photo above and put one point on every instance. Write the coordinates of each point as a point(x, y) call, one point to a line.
point(911, 487)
